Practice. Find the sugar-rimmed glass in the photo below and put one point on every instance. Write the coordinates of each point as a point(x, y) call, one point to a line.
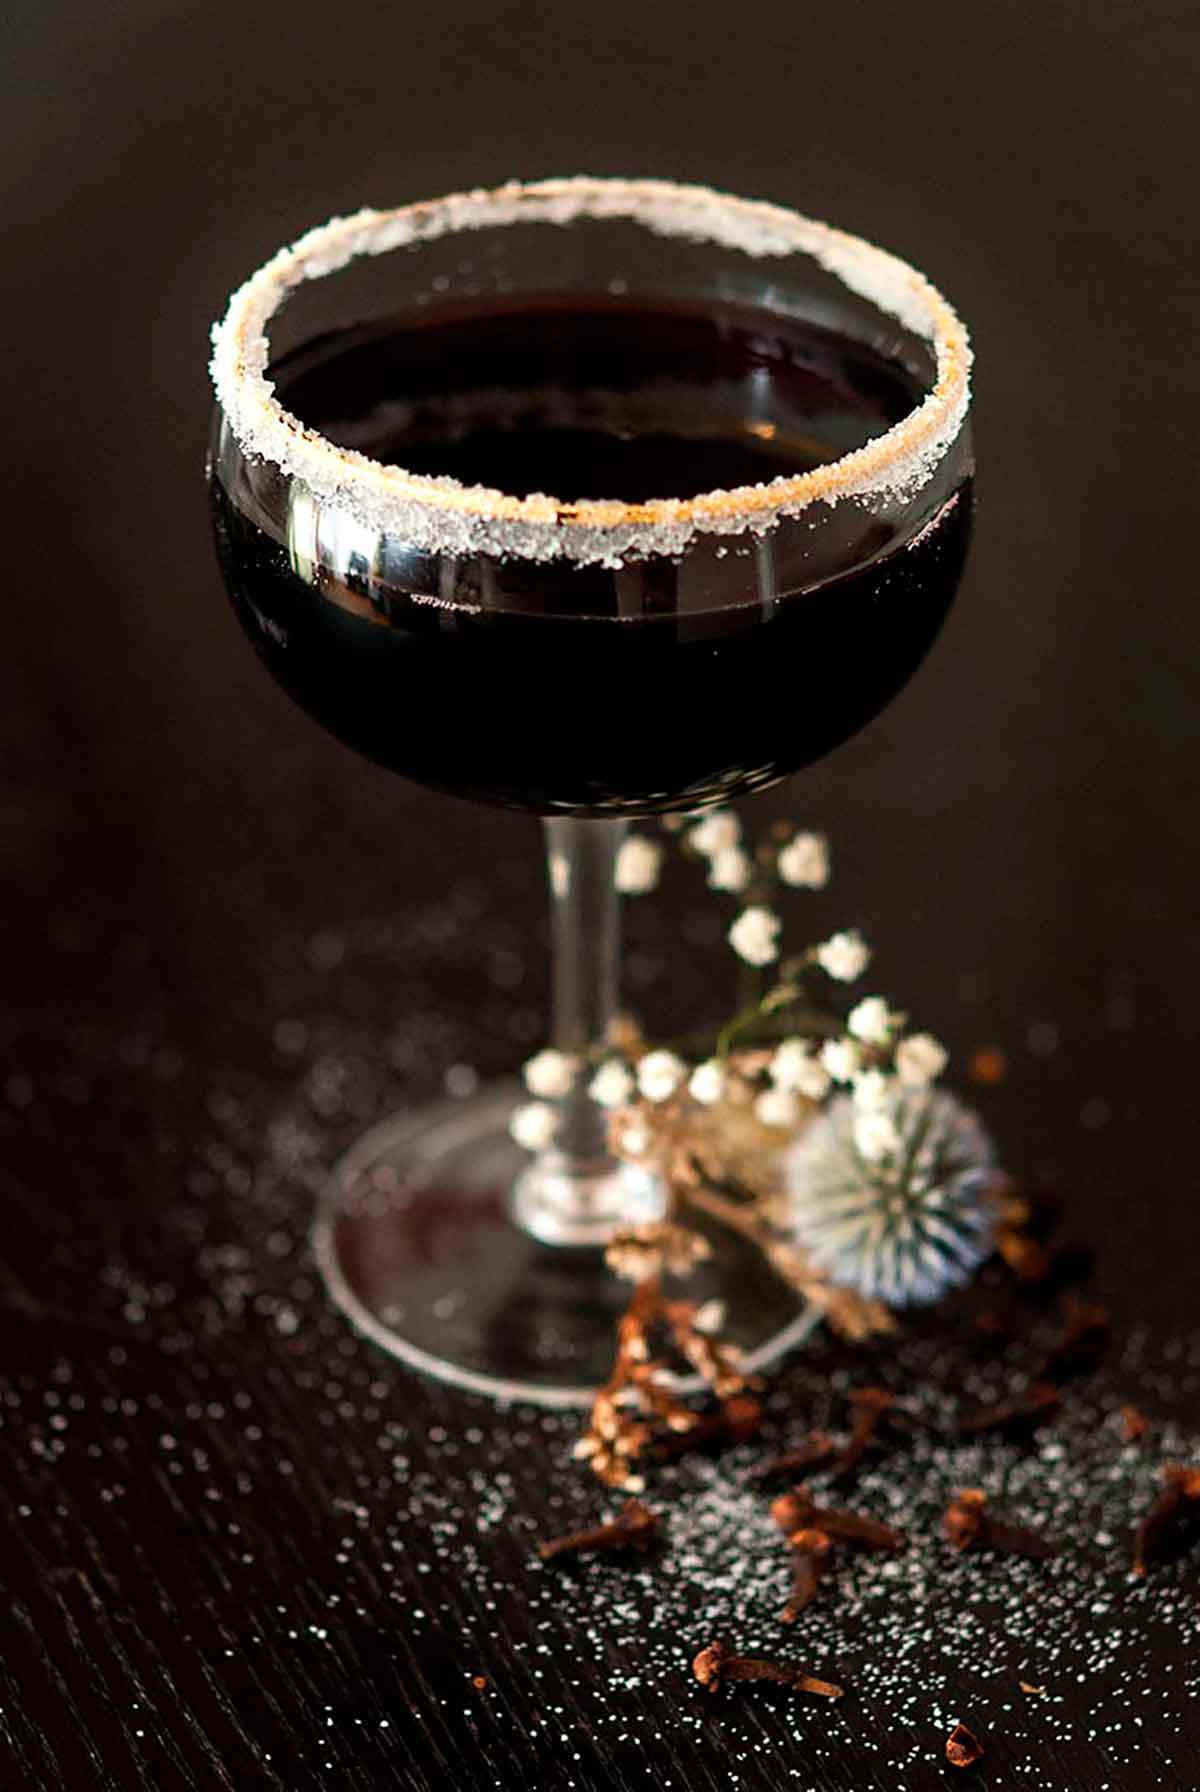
point(588, 657)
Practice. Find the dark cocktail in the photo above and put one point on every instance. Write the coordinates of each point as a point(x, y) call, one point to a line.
point(499, 683)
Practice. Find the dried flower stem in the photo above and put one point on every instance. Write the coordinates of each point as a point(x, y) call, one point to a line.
point(736, 1421)
point(618, 1434)
point(782, 995)
point(849, 1313)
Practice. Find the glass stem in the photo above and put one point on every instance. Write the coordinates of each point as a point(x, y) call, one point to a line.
point(576, 1192)
point(585, 948)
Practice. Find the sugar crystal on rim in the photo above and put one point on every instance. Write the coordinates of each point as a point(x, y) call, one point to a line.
point(440, 515)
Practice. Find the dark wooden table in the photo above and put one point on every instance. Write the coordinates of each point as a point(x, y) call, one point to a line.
point(239, 1547)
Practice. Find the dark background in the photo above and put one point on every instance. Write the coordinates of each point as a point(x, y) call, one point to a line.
point(209, 908)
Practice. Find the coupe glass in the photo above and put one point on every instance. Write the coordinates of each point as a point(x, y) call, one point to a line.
point(588, 658)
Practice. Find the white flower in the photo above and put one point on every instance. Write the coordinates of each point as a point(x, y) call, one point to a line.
point(904, 1231)
point(716, 832)
point(754, 935)
point(659, 1074)
point(638, 864)
point(777, 1107)
point(876, 1135)
point(872, 1089)
point(709, 1318)
point(707, 1083)
point(550, 1074)
point(844, 956)
point(841, 1058)
point(797, 1067)
point(873, 1021)
point(804, 862)
point(534, 1125)
point(920, 1059)
point(613, 1085)
point(729, 869)
point(635, 1139)
point(652, 1248)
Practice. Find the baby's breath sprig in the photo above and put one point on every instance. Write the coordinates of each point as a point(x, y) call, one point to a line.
point(789, 991)
point(820, 1137)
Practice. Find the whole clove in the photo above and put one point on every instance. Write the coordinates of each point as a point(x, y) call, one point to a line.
point(872, 1410)
point(1081, 1344)
point(963, 1748)
point(810, 1554)
point(797, 1510)
point(717, 1664)
point(1173, 1521)
point(819, 1450)
point(736, 1421)
point(635, 1527)
point(792, 1510)
point(969, 1524)
point(1016, 1419)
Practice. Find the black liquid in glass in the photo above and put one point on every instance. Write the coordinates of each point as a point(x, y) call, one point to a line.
point(548, 685)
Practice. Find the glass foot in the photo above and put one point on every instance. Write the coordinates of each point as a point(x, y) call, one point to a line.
point(418, 1245)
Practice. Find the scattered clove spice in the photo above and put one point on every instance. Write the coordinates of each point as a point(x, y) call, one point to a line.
point(969, 1525)
point(810, 1554)
point(987, 1066)
point(1045, 1267)
point(1016, 1419)
point(717, 1663)
point(1068, 1263)
point(736, 1421)
point(963, 1748)
point(635, 1527)
point(797, 1510)
point(1134, 1424)
point(871, 1408)
point(819, 1450)
point(791, 1511)
point(1172, 1522)
point(1027, 1259)
point(1082, 1343)
point(997, 1325)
